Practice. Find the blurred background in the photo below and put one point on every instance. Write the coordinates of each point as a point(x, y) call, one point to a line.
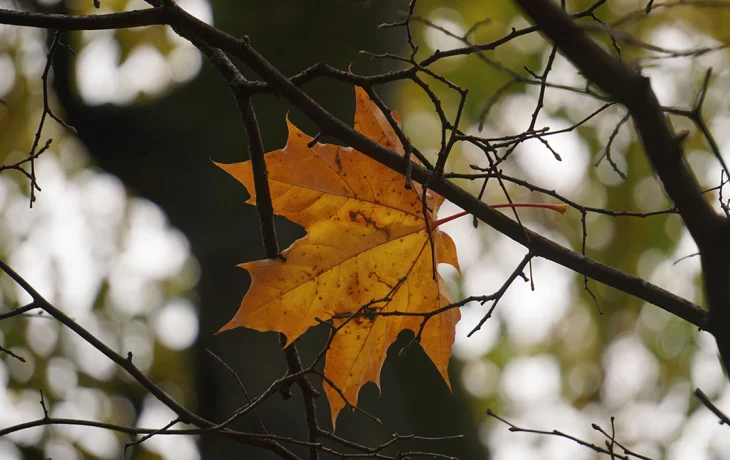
point(136, 235)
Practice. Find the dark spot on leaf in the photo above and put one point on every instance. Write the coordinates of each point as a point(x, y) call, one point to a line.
point(338, 161)
point(356, 215)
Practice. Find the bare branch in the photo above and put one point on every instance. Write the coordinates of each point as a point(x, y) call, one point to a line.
point(140, 18)
point(185, 415)
point(663, 149)
point(628, 454)
point(704, 399)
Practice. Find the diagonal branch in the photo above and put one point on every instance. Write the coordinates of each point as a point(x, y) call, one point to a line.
point(184, 414)
point(633, 91)
point(704, 399)
point(189, 27)
point(663, 149)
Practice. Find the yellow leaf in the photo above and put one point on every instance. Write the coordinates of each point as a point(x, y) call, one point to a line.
point(365, 233)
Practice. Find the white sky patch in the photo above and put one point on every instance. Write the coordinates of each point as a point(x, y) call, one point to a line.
point(7, 74)
point(176, 324)
point(62, 242)
point(145, 71)
point(663, 85)
point(526, 44)
point(556, 414)
point(138, 339)
point(702, 437)
point(512, 113)
point(583, 379)
point(483, 340)
point(719, 128)
point(528, 381)
point(649, 195)
point(23, 407)
point(132, 294)
point(32, 55)
point(563, 71)
point(200, 9)
point(104, 200)
point(675, 73)
point(530, 316)
point(8, 451)
point(35, 266)
point(185, 63)
point(58, 449)
point(155, 415)
point(649, 421)
point(561, 415)
point(103, 444)
point(707, 373)
point(480, 377)
point(471, 153)
point(75, 239)
point(64, 235)
point(543, 168)
point(514, 451)
point(5, 191)
point(682, 36)
point(89, 359)
point(22, 371)
point(151, 248)
point(97, 76)
point(601, 231)
point(630, 370)
point(534, 158)
point(673, 37)
point(85, 403)
point(450, 20)
point(61, 376)
point(82, 403)
point(136, 5)
point(42, 336)
point(101, 79)
point(677, 278)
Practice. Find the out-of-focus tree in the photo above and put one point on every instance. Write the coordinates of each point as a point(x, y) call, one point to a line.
point(568, 353)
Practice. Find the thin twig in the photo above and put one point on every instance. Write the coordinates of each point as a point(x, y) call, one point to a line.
point(704, 399)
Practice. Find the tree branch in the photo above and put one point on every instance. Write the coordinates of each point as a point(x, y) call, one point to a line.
point(704, 399)
point(138, 18)
point(190, 27)
point(664, 150)
point(239, 86)
point(634, 91)
point(184, 414)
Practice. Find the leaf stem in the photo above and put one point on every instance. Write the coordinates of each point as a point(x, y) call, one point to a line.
point(561, 208)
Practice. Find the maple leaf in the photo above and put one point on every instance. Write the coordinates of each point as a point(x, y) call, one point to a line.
point(367, 239)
